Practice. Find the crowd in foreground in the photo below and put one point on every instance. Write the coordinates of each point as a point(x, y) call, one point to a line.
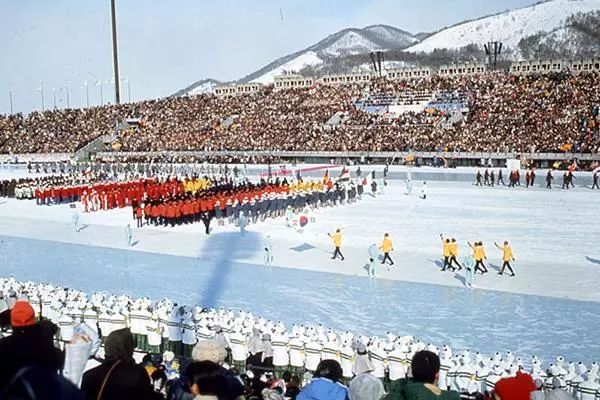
point(535, 113)
point(109, 347)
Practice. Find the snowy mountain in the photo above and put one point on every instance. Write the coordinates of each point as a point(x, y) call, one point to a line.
point(579, 38)
point(551, 28)
point(346, 42)
point(343, 43)
point(509, 27)
point(199, 87)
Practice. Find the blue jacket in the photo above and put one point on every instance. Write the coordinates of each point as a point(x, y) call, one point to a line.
point(323, 389)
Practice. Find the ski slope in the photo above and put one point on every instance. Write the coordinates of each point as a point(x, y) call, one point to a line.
point(508, 27)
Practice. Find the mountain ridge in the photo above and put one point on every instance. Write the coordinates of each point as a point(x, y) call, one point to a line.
point(550, 22)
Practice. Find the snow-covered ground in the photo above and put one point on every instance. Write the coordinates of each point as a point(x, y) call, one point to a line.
point(508, 27)
point(550, 307)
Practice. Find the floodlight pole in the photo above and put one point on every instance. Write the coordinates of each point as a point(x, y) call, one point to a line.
point(115, 51)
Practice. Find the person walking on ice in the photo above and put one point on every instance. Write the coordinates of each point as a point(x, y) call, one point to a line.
point(373, 257)
point(549, 179)
point(128, 235)
point(446, 253)
point(479, 256)
point(268, 245)
point(386, 247)
point(507, 257)
point(408, 183)
point(76, 226)
point(337, 243)
point(468, 262)
point(423, 191)
point(454, 253)
point(595, 178)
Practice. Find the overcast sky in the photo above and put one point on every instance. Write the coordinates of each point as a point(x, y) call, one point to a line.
point(167, 45)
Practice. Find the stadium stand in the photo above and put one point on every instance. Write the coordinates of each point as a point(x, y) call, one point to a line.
point(551, 112)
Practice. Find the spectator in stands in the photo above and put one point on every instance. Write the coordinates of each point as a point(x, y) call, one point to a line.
point(4, 313)
point(208, 351)
point(366, 387)
point(36, 383)
point(326, 383)
point(518, 387)
point(206, 381)
point(292, 385)
point(425, 367)
point(555, 393)
point(118, 377)
point(30, 345)
point(502, 112)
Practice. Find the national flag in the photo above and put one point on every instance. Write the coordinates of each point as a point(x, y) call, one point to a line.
point(298, 175)
point(326, 176)
point(344, 175)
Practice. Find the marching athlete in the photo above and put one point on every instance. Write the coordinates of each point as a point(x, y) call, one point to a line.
point(507, 257)
point(268, 251)
point(446, 252)
point(454, 254)
point(386, 247)
point(479, 256)
point(337, 243)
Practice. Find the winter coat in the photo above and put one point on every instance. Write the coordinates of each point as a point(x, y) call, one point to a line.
point(337, 239)
point(30, 346)
point(446, 248)
point(323, 389)
point(387, 245)
point(405, 389)
point(127, 380)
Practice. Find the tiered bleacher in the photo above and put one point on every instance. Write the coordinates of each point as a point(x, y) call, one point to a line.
point(490, 112)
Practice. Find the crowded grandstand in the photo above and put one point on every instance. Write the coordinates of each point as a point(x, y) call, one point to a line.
point(490, 112)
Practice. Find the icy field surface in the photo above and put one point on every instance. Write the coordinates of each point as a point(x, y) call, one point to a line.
point(485, 321)
point(552, 306)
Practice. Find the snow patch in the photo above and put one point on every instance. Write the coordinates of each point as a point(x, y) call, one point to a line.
point(508, 27)
point(310, 58)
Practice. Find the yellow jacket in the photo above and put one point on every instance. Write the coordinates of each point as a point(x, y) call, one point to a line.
point(446, 248)
point(507, 253)
point(386, 245)
point(337, 239)
point(479, 253)
point(453, 249)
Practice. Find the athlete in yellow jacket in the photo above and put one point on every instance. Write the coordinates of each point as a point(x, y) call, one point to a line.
point(479, 256)
point(387, 246)
point(446, 252)
point(337, 243)
point(507, 257)
point(454, 253)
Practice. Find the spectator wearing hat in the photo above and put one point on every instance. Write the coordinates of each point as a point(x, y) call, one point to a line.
point(30, 345)
point(518, 387)
point(210, 350)
point(425, 367)
point(556, 393)
point(365, 387)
